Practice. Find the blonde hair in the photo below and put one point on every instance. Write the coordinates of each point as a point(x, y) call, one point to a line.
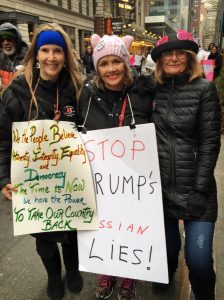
point(128, 79)
point(193, 67)
point(71, 60)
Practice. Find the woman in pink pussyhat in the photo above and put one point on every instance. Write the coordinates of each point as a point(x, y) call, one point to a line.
point(187, 119)
point(114, 99)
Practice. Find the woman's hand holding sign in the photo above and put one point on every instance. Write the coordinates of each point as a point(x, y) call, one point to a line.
point(8, 189)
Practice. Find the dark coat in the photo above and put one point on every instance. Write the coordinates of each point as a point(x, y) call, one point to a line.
point(88, 62)
point(187, 119)
point(218, 63)
point(105, 107)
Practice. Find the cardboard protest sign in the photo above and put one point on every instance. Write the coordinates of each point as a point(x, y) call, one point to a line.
point(208, 68)
point(50, 168)
point(130, 241)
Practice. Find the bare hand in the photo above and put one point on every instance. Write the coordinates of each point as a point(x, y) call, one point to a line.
point(8, 189)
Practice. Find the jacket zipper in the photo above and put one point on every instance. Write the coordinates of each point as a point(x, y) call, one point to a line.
point(171, 143)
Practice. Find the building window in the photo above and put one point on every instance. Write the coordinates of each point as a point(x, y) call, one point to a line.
point(159, 3)
point(94, 7)
point(173, 2)
point(173, 11)
point(87, 7)
point(69, 4)
point(60, 3)
point(80, 6)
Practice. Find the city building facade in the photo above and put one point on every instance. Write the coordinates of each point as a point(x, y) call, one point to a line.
point(124, 17)
point(209, 26)
point(194, 20)
point(76, 17)
point(80, 18)
point(164, 17)
point(220, 25)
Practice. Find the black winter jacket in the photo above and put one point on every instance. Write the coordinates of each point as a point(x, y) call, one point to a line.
point(218, 63)
point(187, 119)
point(99, 109)
point(14, 107)
point(88, 62)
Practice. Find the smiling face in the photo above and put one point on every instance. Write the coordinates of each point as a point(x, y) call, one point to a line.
point(111, 69)
point(51, 59)
point(174, 62)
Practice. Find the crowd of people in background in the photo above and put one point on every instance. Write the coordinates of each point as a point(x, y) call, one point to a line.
point(141, 62)
point(48, 79)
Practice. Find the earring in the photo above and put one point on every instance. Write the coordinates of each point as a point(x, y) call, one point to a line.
point(37, 65)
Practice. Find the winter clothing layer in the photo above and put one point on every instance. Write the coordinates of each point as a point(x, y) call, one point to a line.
point(177, 40)
point(187, 119)
point(110, 45)
point(218, 63)
point(88, 62)
point(102, 108)
point(50, 37)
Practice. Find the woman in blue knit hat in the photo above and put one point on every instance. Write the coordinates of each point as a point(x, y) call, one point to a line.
point(186, 113)
point(44, 88)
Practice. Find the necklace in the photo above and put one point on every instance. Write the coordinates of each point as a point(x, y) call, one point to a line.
point(57, 113)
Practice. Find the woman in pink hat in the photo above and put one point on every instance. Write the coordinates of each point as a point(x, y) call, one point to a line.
point(187, 119)
point(113, 99)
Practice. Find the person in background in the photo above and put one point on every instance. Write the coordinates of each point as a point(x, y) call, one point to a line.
point(218, 60)
point(88, 60)
point(138, 62)
point(202, 54)
point(134, 72)
point(132, 60)
point(210, 46)
point(45, 88)
point(112, 99)
point(12, 53)
point(188, 121)
point(150, 64)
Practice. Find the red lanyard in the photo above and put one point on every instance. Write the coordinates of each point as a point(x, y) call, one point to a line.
point(121, 117)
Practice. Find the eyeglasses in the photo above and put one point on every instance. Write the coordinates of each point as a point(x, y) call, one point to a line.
point(178, 53)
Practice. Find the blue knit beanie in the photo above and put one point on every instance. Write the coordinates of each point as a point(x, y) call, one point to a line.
point(50, 37)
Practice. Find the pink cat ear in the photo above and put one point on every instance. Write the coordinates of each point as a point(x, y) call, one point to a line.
point(95, 38)
point(128, 41)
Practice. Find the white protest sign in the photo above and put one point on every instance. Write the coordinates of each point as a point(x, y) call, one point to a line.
point(130, 241)
point(50, 168)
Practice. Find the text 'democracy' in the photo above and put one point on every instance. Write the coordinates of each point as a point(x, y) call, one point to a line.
point(51, 170)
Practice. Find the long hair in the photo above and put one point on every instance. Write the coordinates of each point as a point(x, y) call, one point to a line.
point(128, 79)
point(193, 67)
point(71, 60)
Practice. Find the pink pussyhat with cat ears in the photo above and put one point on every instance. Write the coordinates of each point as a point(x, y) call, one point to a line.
point(110, 45)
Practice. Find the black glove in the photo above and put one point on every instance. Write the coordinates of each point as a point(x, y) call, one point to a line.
point(197, 204)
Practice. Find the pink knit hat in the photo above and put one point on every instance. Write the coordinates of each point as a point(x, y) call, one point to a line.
point(110, 45)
